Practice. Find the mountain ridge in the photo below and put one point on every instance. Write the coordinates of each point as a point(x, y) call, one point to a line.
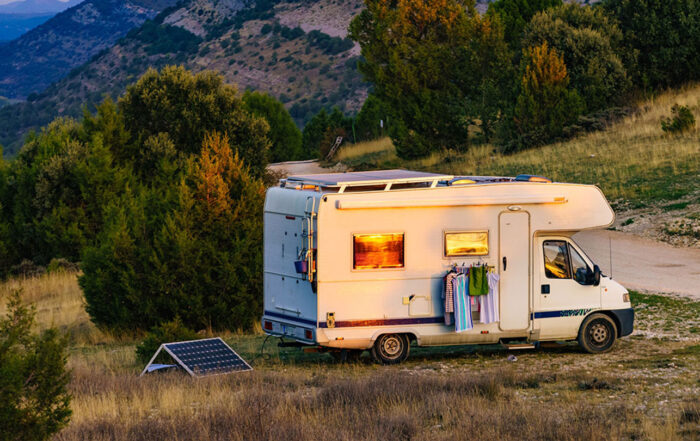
point(243, 41)
point(48, 52)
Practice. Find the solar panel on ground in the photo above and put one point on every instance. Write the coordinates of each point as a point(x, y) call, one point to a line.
point(200, 358)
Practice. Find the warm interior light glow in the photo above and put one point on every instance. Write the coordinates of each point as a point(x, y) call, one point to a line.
point(471, 243)
point(539, 179)
point(373, 251)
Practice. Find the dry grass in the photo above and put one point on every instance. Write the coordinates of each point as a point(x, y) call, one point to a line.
point(349, 151)
point(632, 160)
point(59, 303)
point(645, 389)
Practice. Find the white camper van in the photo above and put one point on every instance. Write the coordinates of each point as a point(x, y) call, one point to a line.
point(357, 261)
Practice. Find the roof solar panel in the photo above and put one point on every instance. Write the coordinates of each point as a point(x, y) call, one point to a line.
point(200, 358)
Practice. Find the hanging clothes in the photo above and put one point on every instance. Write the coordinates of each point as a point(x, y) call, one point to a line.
point(489, 302)
point(462, 304)
point(449, 297)
point(478, 284)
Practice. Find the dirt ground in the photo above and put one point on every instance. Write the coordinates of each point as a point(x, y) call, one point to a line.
point(644, 264)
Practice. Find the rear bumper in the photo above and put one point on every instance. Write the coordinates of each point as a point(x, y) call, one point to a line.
point(625, 317)
point(280, 325)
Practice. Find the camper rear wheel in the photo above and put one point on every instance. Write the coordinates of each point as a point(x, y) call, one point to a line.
point(390, 348)
point(597, 334)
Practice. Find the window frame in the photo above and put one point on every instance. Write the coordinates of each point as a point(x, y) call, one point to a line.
point(364, 270)
point(456, 256)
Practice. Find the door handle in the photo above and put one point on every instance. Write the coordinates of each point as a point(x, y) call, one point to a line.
point(505, 263)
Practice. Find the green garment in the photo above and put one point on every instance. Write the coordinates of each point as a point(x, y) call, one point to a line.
point(478, 282)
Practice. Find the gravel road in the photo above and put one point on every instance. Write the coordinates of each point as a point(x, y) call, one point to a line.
point(644, 264)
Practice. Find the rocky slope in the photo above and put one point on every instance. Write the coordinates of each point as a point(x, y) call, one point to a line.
point(47, 53)
point(297, 51)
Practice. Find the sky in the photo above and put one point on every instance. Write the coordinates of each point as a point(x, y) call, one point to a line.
point(4, 2)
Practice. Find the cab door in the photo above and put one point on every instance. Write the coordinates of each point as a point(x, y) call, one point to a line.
point(565, 294)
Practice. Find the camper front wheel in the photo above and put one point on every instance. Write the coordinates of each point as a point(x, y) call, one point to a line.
point(391, 348)
point(597, 334)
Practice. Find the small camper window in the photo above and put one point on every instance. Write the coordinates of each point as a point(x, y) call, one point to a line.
point(466, 243)
point(376, 251)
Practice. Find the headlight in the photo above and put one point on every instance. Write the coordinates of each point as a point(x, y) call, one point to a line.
point(626, 297)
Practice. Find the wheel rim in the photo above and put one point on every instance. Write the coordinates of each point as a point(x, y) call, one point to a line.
point(391, 346)
point(599, 333)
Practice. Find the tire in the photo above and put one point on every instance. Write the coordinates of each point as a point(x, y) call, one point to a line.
point(598, 333)
point(391, 348)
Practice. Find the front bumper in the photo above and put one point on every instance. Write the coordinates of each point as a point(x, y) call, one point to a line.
point(625, 317)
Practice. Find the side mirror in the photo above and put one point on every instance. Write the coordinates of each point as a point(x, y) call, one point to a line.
point(596, 275)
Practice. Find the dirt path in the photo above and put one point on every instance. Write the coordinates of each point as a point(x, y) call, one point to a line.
point(309, 167)
point(644, 264)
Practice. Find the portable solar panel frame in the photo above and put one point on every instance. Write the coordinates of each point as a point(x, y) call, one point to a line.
point(184, 366)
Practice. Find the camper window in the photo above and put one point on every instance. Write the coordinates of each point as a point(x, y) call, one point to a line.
point(556, 260)
point(377, 251)
point(466, 243)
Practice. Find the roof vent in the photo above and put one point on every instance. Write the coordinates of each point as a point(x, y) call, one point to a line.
point(532, 178)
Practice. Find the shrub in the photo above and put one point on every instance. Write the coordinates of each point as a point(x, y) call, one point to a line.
point(590, 44)
point(61, 265)
point(34, 399)
point(682, 120)
point(545, 105)
point(166, 332)
point(284, 135)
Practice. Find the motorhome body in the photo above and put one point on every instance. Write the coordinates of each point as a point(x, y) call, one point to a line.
point(356, 261)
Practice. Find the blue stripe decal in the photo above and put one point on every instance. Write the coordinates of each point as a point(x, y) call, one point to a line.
point(291, 318)
point(563, 313)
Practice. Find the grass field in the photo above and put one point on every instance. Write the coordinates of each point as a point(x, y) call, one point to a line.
point(647, 388)
point(632, 161)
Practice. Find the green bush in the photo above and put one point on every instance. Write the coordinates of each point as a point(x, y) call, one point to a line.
point(682, 120)
point(187, 106)
point(284, 135)
point(34, 398)
point(591, 44)
point(546, 104)
point(168, 332)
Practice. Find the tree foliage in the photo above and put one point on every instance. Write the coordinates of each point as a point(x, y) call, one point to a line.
point(284, 135)
point(661, 39)
point(545, 104)
point(432, 63)
point(34, 398)
point(192, 249)
point(590, 44)
point(516, 14)
point(321, 131)
point(186, 107)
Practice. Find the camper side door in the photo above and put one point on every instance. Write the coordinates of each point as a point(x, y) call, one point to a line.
point(564, 295)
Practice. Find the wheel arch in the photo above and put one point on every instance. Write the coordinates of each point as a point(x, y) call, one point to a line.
point(411, 333)
point(613, 317)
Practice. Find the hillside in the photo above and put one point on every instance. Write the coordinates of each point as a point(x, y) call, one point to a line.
point(651, 178)
point(48, 52)
point(297, 51)
point(37, 6)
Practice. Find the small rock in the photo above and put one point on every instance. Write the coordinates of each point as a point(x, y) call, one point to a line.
point(512, 357)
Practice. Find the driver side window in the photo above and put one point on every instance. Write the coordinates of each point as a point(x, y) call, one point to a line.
point(579, 267)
